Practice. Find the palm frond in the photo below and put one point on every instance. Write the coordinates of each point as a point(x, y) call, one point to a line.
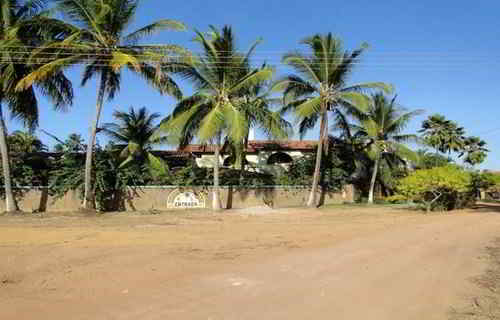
point(302, 65)
point(165, 24)
point(308, 108)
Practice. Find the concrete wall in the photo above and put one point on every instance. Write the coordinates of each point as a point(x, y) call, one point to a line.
point(158, 198)
point(38, 200)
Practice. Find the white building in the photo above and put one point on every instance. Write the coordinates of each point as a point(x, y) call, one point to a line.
point(259, 154)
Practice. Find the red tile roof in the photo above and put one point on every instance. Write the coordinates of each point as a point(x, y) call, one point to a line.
point(255, 146)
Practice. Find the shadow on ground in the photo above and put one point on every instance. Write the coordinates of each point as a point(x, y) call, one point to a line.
point(487, 207)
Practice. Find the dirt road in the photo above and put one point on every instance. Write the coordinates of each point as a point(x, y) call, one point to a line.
point(330, 264)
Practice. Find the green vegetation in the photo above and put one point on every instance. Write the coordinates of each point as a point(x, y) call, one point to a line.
point(223, 106)
point(94, 35)
point(381, 128)
point(361, 137)
point(319, 88)
point(21, 30)
point(445, 188)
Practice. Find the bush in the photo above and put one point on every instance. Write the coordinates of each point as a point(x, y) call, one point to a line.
point(397, 199)
point(109, 179)
point(334, 172)
point(442, 188)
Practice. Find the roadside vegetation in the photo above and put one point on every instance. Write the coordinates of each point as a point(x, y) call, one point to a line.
point(361, 126)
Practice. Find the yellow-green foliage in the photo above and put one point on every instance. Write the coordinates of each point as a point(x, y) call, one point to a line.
point(449, 177)
point(397, 198)
point(437, 187)
point(492, 179)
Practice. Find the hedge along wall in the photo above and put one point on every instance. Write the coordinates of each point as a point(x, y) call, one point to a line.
point(171, 197)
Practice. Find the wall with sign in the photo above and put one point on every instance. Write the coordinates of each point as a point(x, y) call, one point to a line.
point(172, 198)
point(232, 197)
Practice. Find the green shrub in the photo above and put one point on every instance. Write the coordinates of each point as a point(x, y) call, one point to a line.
point(109, 179)
point(397, 199)
point(334, 172)
point(442, 188)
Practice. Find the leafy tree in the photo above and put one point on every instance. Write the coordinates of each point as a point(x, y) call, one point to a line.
point(74, 143)
point(427, 160)
point(484, 181)
point(446, 136)
point(441, 187)
point(25, 142)
point(95, 37)
point(19, 34)
point(218, 109)
point(111, 180)
point(335, 172)
point(475, 151)
point(382, 130)
point(319, 89)
point(442, 134)
point(135, 135)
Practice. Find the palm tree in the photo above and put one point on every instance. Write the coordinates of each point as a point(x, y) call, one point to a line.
point(442, 134)
point(18, 35)
point(381, 128)
point(475, 150)
point(25, 142)
point(135, 136)
point(257, 109)
point(96, 38)
point(218, 109)
point(319, 88)
point(74, 143)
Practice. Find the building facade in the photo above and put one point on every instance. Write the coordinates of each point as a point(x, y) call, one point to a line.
point(261, 155)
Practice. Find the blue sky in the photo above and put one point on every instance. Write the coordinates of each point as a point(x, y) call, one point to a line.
point(441, 56)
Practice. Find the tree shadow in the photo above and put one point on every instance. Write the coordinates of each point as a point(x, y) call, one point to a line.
point(487, 207)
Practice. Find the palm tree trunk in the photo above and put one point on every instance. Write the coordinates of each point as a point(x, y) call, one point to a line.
point(372, 182)
point(243, 159)
point(216, 206)
point(10, 203)
point(311, 203)
point(88, 200)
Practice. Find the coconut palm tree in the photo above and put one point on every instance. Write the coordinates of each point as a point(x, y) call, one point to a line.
point(319, 90)
point(258, 111)
point(19, 34)
point(381, 128)
point(96, 37)
point(134, 135)
point(218, 109)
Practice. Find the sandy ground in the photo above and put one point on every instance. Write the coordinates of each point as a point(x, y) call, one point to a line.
point(336, 263)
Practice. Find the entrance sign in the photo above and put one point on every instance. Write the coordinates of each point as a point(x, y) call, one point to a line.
point(185, 200)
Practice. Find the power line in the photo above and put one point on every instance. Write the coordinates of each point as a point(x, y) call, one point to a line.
point(166, 46)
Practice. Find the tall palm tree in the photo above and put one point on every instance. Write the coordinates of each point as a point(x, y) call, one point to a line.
point(222, 77)
point(319, 89)
point(257, 108)
point(134, 133)
point(96, 37)
point(19, 34)
point(382, 130)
